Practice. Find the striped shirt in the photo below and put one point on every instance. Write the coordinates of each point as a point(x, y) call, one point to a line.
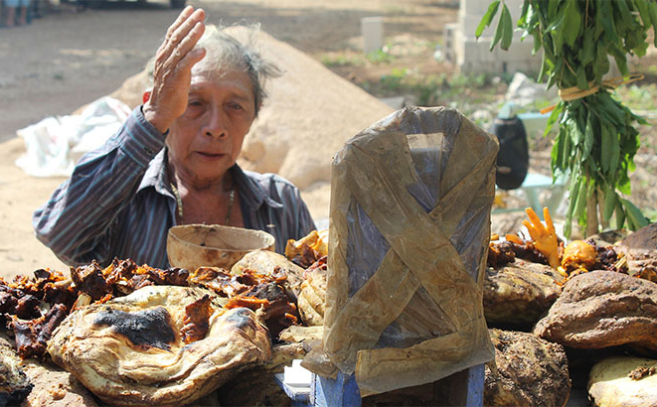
point(119, 203)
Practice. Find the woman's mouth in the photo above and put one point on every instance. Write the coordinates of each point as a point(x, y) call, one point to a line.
point(210, 156)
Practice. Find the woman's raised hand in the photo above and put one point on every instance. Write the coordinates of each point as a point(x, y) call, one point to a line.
point(173, 69)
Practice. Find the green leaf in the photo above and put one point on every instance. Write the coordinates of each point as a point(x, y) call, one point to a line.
point(577, 134)
point(614, 155)
point(538, 43)
point(556, 30)
point(524, 14)
point(623, 184)
point(605, 148)
point(634, 214)
point(572, 22)
point(621, 59)
point(588, 51)
point(507, 33)
point(499, 30)
point(589, 138)
point(582, 195)
point(642, 47)
point(620, 214)
point(582, 83)
point(573, 194)
point(610, 202)
point(556, 72)
point(613, 112)
point(554, 116)
point(644, 12)
point(601, 64)
point(556, 155)
point(544, 68)
point(552, 8)
point(598, 28)
point(608, 22)
point(487, 18)
point(624, 13)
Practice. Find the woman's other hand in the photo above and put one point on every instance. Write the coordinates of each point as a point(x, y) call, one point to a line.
point(173, 69)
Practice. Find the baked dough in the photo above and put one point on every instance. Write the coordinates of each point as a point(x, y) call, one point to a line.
point(130, 350)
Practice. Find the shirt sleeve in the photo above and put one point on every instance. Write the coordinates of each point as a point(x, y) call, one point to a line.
point(76, 223)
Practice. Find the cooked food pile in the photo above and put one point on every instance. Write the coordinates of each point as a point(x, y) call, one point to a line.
point(545, 247)
point(144, 335)
point(35, 306)
point(138, 335)
point(306, 251)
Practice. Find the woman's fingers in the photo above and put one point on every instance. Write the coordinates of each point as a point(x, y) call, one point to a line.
point(187, 11)
point(182, 57)
point(178, 43)
point(172, 71)
point(164, 50)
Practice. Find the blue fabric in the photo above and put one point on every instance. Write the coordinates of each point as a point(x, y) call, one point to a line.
point(119, 203)
point(17, 3)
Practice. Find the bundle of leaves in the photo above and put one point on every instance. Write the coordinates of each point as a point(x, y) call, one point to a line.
point(597, 137)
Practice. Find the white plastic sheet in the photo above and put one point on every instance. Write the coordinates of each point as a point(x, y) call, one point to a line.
point(54, 144)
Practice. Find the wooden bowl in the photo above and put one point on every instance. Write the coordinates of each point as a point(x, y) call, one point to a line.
point(194, 246)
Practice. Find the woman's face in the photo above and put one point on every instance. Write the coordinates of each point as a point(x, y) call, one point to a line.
point(205, 141)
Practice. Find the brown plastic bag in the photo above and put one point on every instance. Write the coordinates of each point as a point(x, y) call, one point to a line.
point(410, 223)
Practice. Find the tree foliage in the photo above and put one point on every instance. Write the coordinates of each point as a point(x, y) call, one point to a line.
point(597, 137)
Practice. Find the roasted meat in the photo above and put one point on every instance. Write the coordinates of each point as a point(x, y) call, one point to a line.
point(32, 336)
point(502, 253)
point(197, 319)
point(89, 279)
point(309, 249)
point(279, 312)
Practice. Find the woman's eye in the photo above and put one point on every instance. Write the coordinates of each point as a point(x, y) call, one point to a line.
point(236, 106)
point(194, 103)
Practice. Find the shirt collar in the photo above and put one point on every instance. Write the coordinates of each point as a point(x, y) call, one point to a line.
point(156, 175)
point(249, 189)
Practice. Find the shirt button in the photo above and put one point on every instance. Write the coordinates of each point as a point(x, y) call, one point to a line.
point(149, 152)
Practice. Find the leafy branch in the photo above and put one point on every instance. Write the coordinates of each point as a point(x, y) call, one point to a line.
point(597, 138)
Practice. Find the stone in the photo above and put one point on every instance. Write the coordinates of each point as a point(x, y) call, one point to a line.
point(530, 371)
point(623, 381)
point(602, 309)
point(519, 293)
point(640, 249)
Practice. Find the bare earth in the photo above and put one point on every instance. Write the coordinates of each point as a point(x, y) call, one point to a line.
point(67, 59)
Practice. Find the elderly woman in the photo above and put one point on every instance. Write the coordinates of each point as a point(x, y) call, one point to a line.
point(174, 160)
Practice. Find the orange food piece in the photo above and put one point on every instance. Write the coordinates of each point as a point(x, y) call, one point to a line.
point(578, 254)
point(252, 303)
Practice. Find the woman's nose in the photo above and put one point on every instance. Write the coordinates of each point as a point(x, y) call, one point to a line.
point(216, 124)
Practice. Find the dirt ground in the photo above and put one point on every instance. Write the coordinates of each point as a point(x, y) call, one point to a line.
point(67, 59)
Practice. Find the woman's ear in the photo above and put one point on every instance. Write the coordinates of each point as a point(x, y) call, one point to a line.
point(146, 96)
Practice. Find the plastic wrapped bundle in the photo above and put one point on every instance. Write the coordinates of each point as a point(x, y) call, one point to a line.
point(410, 223)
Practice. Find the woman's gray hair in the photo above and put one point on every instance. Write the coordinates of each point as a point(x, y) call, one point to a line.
point(225, 51)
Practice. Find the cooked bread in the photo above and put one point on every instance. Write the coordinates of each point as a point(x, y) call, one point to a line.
point(131, 350)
